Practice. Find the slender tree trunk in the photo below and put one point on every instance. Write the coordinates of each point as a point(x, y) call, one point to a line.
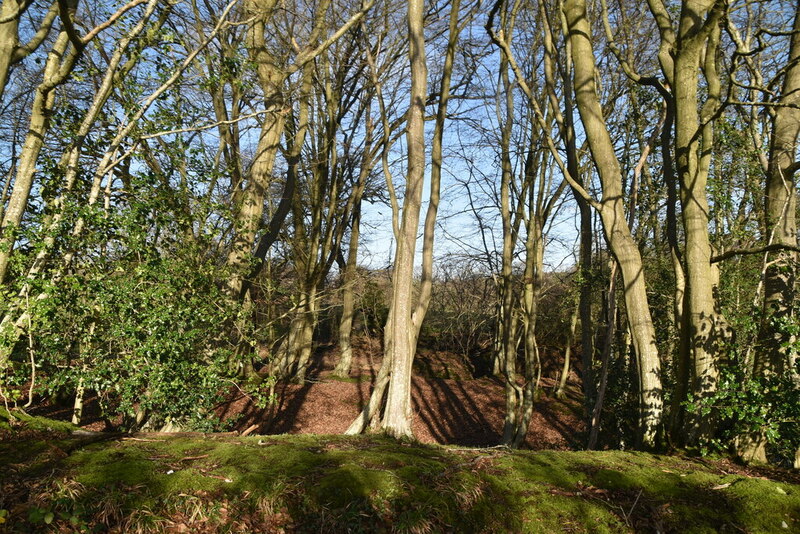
point(562, 383)
point(780, 200)
point(585, 247)
point(534, 265)
point(507, 327)
point(397, 417)
point(608, 348)
point(615, 226)
point(342, 368)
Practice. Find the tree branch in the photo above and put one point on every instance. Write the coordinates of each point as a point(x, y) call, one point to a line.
point(756, 250)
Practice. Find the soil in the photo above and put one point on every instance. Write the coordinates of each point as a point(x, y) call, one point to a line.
point(450, 406)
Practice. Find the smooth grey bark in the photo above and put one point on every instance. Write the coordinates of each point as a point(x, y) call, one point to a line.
point(615, 226)
point(706, 331)
point(397, 416)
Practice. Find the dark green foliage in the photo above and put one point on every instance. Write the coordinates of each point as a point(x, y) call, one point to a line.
point(140, 320)
point(146, 336)
point(746, 404)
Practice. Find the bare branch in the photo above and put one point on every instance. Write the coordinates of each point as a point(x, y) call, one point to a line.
point(728, 254)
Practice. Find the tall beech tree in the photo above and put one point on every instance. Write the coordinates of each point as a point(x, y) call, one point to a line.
point(615, 224)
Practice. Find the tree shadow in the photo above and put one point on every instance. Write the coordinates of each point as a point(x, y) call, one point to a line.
point(455, 418)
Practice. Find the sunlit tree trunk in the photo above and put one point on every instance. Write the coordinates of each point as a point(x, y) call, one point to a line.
point(615, 225)
point(707, 331)
point(248, 202)
point(59, 64)
point(397, 417)
point(780, 200)
point(507, 322)
point(11, 51)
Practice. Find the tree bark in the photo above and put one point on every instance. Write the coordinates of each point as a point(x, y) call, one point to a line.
point(615, 226)
point(397, 417)
point(57, 68)
point(780, 201)
point(706, 332)
point(342, 368)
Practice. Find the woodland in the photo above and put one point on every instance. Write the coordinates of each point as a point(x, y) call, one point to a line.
point(592, 201)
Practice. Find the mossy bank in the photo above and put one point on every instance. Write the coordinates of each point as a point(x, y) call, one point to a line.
point(52, 480)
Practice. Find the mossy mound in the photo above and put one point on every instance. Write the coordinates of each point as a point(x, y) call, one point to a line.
point(213, 483)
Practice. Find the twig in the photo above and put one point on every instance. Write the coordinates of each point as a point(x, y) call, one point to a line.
point(30, 352)
point(187, 458)
point(628, 515)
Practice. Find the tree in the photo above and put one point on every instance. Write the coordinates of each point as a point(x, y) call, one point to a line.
point(615, 226)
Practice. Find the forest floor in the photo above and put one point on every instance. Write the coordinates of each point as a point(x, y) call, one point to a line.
point(450, 406)
point(293, 473)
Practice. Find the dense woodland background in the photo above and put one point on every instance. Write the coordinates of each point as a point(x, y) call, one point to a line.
point(186, 186)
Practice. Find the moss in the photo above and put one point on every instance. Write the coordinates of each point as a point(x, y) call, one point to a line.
point(345, 483)
point(18, 421)
point(373, 483)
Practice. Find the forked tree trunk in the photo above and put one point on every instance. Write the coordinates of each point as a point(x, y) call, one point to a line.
point(395, 372)
point(397, 416)
point(707, 332)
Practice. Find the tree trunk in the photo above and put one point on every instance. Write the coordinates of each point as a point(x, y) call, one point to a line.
point(561, 390)
point(26, 168)
point(342, 368)
point(780, 200)
point(615, 226)
point(11, 52)
point(707, 331)
point(608, 347)
point(534, 265)
point(397, 417)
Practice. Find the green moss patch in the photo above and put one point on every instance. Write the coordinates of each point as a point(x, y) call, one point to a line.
point(374, 484)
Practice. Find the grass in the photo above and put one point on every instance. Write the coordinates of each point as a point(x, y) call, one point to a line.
point(209, 483)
